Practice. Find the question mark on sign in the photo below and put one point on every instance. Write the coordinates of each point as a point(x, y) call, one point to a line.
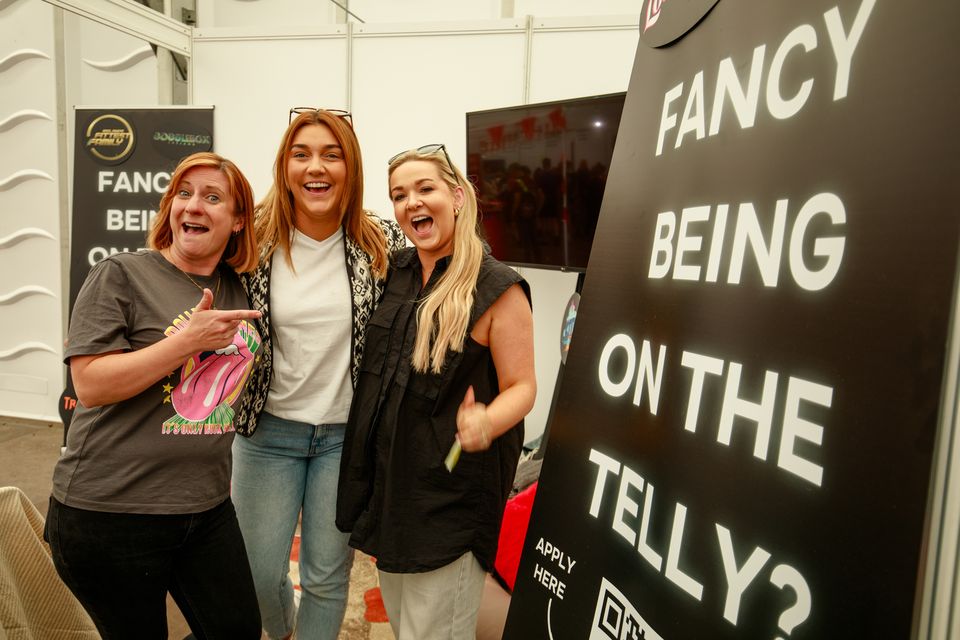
point(785, 575)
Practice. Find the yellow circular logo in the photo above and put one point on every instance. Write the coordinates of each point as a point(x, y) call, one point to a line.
point(110, 138)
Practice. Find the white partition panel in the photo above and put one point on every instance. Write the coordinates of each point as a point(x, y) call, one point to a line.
point(31, 315)
point(265, 13)
point(420, 11)
point(252, 81)
point(570, 58)
point(414, 84)
point(544, 8)
point(115, 69)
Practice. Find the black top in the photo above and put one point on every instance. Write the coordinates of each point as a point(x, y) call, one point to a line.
point(396, 497)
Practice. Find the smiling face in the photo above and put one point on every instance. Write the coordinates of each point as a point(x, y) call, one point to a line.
point(316, 178)
point(202, 217)
point(424, 205)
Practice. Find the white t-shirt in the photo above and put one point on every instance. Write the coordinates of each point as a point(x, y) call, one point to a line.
point(311, 323)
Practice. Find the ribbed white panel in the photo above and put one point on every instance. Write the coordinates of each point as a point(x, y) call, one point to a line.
point(31, 373)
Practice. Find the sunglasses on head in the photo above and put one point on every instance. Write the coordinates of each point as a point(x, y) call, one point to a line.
point(430, 149)
point(340, 113)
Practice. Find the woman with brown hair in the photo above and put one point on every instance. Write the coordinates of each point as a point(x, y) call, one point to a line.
point(323, 261)
point(141, 496)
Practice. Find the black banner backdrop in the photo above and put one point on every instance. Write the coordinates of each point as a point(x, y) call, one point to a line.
point(122, 162)
point(123, 159)
point(742, 446)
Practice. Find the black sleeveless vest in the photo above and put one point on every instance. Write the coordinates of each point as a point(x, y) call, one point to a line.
point(395, 496)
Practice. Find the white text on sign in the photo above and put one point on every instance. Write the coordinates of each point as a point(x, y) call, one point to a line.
point(736, 410)
point(544, 575)
point(739, 576)
point(746, 99)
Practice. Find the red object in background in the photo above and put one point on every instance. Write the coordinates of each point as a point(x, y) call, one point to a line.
point(295, 549)
point(557, 119)
point(529, 127)
point(375, 611)
point(496, 136)
point(513, 531)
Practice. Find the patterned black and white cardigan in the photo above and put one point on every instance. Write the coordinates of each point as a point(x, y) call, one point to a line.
point(365, 293)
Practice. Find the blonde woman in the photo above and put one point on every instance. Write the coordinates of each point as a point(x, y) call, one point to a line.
point(448, 365)
point(323, 261)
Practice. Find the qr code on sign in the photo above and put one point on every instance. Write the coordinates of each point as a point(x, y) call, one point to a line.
point(617, 619)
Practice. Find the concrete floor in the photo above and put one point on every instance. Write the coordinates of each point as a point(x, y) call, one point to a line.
point(28, 453)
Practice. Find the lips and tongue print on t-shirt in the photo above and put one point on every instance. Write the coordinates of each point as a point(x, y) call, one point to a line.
point(210, 382)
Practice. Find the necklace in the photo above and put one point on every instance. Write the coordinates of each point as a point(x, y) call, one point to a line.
point(216, 291)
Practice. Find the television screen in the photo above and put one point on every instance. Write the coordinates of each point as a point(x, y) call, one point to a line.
point(540, 172)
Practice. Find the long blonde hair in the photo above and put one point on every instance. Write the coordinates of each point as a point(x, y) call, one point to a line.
point(275, 215)
point(444, 314)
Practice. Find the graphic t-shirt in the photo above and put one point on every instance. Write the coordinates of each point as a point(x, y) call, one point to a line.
point(167, 449)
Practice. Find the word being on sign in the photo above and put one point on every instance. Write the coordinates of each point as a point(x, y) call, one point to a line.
point(633, 523)
point(130, 219)
point(744, 97)
point(677, 250)
point(756, 415)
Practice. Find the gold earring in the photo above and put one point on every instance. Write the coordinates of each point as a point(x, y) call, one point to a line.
point(456, 211)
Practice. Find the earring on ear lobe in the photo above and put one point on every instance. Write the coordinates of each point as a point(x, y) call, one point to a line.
point(456, 211)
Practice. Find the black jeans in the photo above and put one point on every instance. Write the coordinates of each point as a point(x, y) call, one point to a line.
point(120, 567)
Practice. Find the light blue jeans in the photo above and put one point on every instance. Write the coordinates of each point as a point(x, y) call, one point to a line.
point(284, 468)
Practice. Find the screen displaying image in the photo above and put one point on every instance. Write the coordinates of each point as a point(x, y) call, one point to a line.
point(540, 171)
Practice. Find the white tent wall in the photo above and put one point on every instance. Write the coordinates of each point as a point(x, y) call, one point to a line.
point(237, 13)
point(31, 317)
point(409, 84)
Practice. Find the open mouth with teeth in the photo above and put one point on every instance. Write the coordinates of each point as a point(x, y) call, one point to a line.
point(192, 227)
point(317, 187)
point(421, 224)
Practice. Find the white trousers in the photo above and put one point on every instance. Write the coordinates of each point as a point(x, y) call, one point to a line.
point(437, 605)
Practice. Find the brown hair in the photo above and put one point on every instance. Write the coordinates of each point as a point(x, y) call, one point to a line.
point(275, 214)
point(241, 250)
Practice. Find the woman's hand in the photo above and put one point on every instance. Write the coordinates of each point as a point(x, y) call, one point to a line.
point(210, 329)
point(473, 424)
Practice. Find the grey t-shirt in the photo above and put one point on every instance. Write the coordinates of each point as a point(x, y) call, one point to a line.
point(167, 449)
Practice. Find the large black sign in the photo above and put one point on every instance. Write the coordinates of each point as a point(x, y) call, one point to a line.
point(123, 159)
point(742, 445)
